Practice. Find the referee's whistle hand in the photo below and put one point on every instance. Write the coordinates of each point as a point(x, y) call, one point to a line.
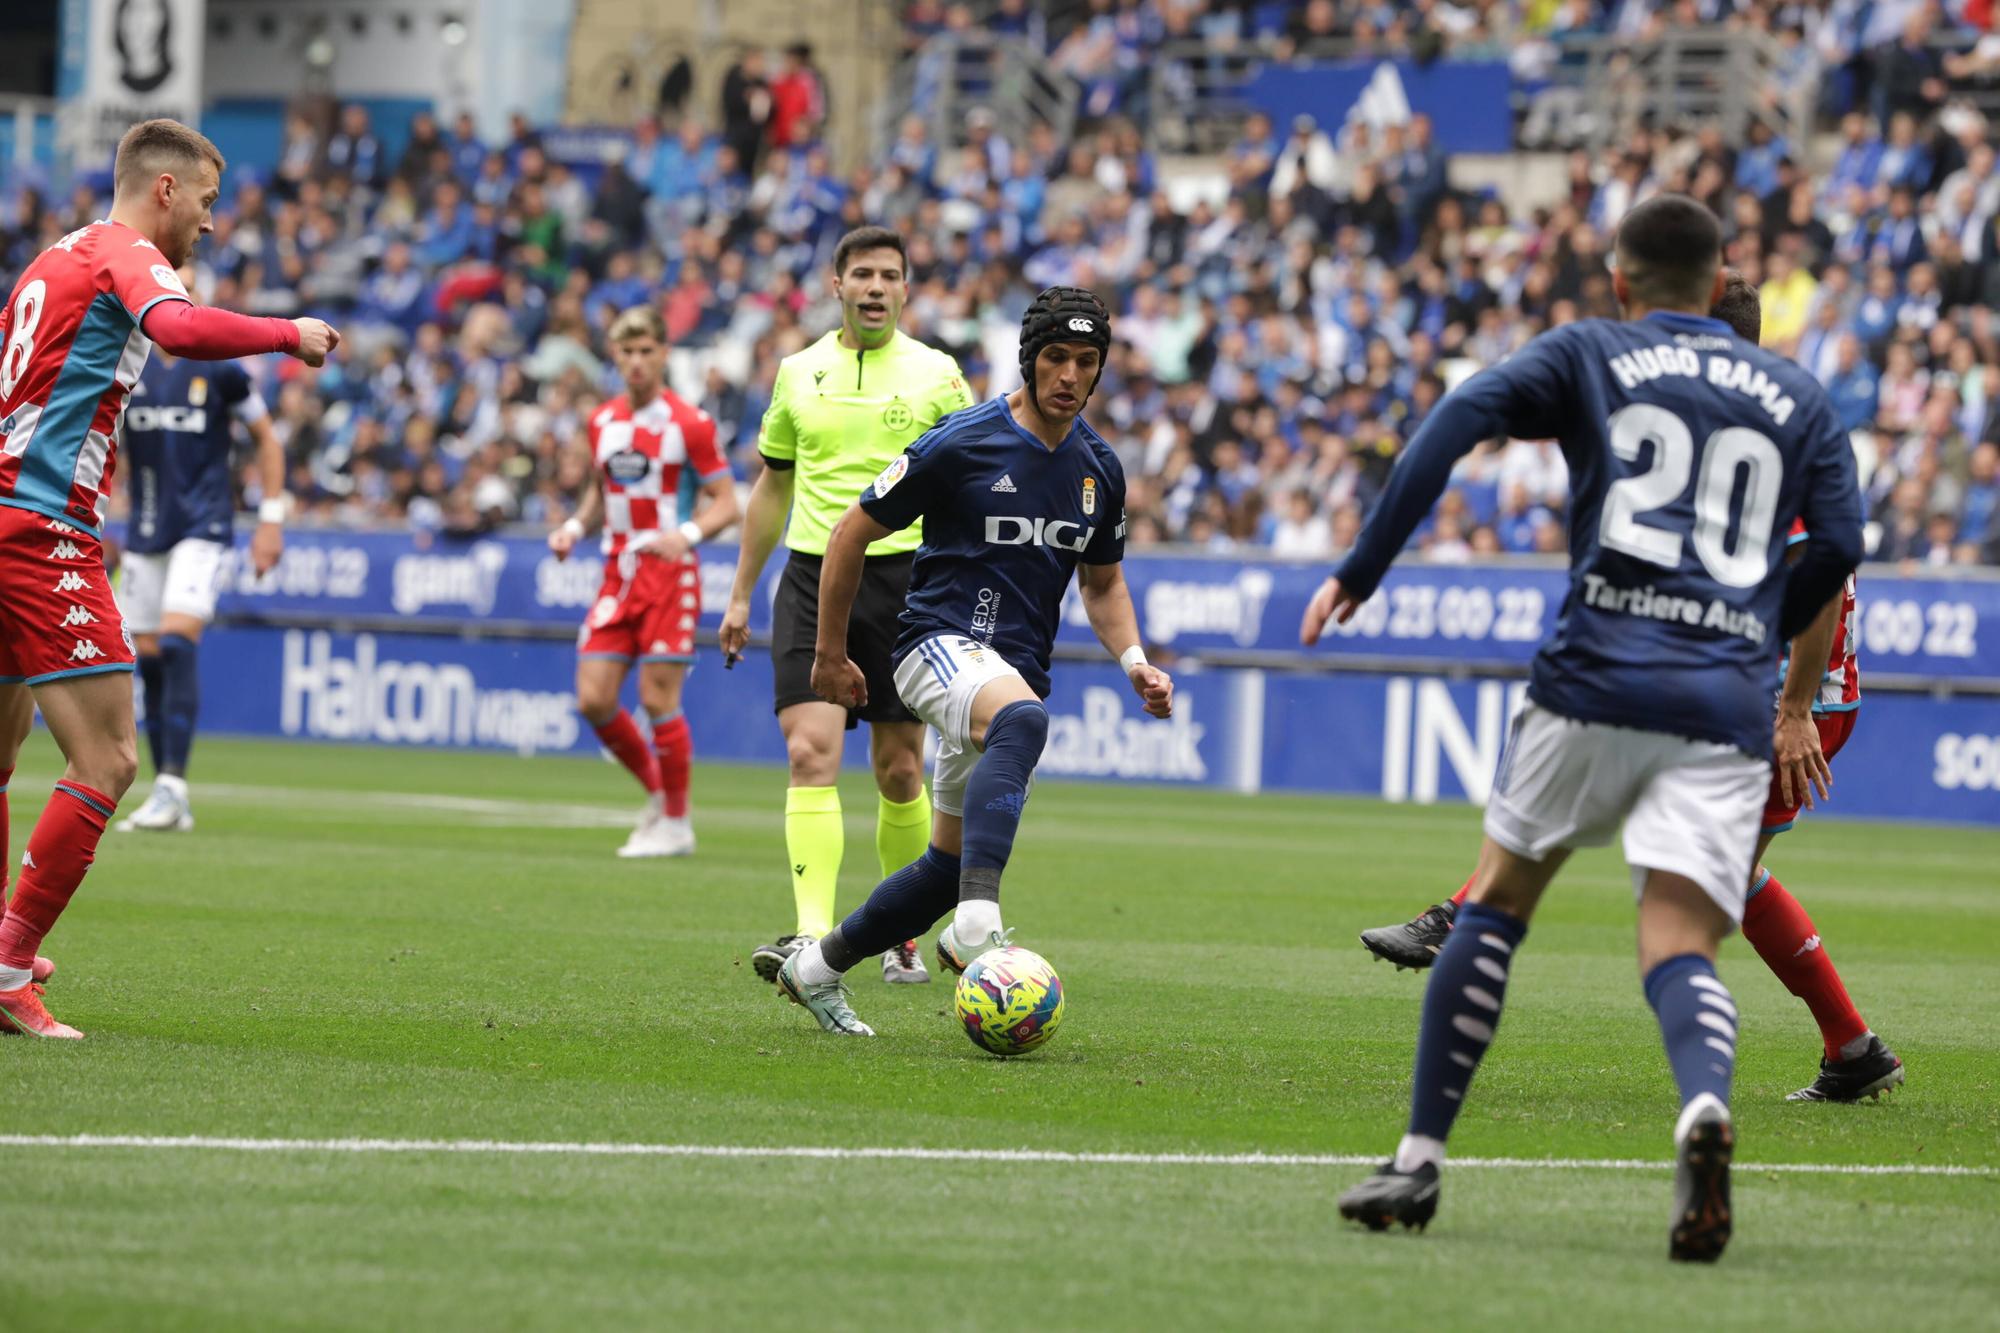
point(735, 634)
point(838, 681)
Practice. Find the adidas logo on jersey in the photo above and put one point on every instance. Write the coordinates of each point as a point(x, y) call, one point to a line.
point(71, 582)
point(85, 651)
point(1004, 486)
point(78, 615)
point(65, 550)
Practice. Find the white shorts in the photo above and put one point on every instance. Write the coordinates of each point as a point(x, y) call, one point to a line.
point(183, 581)
point(938, 682)
point(1689, 807)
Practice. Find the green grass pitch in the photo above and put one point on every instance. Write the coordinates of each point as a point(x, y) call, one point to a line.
point(369, 944)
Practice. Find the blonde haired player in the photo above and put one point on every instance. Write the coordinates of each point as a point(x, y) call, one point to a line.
point(648, 444)
point(74, 335)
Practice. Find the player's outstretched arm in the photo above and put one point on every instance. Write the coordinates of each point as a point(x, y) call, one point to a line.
point(1800, 763)
point(579, 525)
point(204, 333)
point(835, 678)
point(1107, 601)
point(1518, 397)
point(763, 524)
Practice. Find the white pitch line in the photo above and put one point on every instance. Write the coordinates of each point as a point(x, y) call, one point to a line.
point(503, 1147)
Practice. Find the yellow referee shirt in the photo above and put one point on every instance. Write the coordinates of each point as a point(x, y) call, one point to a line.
point(840, 416)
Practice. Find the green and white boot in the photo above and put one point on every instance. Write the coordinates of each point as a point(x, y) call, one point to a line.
point(826, 1002)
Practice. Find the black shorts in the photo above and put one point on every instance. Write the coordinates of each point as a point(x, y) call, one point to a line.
point(871, 634)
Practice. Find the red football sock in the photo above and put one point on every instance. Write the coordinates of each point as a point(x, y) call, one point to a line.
point(1458, 899)
point(1784, 937)
point(60, 850)
point(6, 861)
point(621, 736)
point(675, 749)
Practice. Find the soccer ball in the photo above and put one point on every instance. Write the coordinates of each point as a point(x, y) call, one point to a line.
point(1010, 1001)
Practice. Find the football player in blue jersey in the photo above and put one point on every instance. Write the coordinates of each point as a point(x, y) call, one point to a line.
point(1017, 497)
point(178, 441)
point(1691, 452)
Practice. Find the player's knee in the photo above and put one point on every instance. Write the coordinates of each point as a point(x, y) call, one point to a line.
point(114, 768)
point(1024, 723)
point(899, 773)
point(814, 759)
point(596, 706)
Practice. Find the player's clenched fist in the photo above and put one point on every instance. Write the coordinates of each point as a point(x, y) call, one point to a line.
point(317, 339)
point(838, 681)
point(1155, 687)
point(1331, 602)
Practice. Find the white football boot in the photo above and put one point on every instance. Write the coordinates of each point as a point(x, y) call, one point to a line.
point(166, 809)
point(646, 839)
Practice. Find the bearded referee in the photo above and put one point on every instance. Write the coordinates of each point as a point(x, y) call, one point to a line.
point(841, 411)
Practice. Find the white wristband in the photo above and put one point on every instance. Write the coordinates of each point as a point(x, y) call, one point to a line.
point(573, 528)
point(272, 510)
point(691, 533)
point(1135, 656)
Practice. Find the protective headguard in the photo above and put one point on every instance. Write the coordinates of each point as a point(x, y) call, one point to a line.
point(1063, 315)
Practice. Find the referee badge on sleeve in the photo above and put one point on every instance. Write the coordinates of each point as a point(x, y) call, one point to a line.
point(891, 475)
point(1090, 495)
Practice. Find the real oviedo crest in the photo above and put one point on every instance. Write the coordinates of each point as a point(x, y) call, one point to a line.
point(1090, 495)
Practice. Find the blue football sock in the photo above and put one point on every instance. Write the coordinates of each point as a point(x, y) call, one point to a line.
point(903, 906)
point(1698, 1023)
point(151, 681)
point(180, 699)
point(1461, 1010)
point(996, 793)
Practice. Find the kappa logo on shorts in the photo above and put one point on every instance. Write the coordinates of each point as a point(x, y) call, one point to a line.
point(659, 646)
point(66, 550)
point(60, 528)
point(85, 651)
point(78, 615)
point(71, 581)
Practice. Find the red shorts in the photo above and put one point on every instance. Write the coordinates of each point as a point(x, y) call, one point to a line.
point(57, 615)
point(1834, 729)
point(649, 617)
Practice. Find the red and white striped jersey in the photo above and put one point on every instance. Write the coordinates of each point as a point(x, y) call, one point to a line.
point(652, 459)
point(70, 351)
point(1840, 687)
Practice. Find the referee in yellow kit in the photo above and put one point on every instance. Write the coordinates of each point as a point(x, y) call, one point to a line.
point(841, 411)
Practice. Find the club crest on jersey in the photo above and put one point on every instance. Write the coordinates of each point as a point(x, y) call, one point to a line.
point(198, 391)
point(1090, 495)
point(627, 466)
point(898, 416)
point(891, 475)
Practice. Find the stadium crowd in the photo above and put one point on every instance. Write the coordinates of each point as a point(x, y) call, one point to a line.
point(1276, 346)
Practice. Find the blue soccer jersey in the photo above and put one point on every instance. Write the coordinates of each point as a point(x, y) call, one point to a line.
point(1006, 522)
point(1690, 453)
point(177, 450)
